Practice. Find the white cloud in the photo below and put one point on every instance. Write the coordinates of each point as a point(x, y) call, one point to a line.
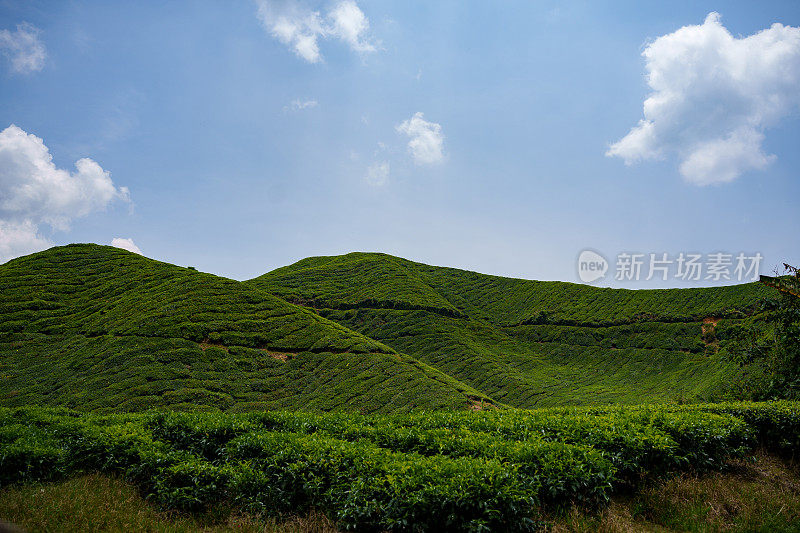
point(125, 244)
point(23, 48)
point(427, 141)
point(302, 28)
point(349, 24)
point(713, 97)
point(723, 160)
point(20, 238)
point(33, 191)
point(378, 174)
point(299, 105)
point(293, 28)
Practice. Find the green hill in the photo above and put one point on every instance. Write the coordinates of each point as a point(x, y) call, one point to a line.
point(528, 343)
point(369, 280)
point(96, 327)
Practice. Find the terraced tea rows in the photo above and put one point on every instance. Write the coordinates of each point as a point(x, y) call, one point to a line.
point(450, 471)
point(95, 327)
point(528, 343)
point(379, 280)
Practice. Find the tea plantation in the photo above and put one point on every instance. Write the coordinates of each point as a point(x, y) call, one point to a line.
point(447, 471)
point(371, 280)
point(529, 343)
point(386, 394)
point(98, 328)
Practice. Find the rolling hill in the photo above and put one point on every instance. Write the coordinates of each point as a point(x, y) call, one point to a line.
point(95, 327)
point(98, 328)
point(375, 280)
point(528, 343)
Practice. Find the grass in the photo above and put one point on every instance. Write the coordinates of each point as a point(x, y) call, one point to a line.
point(95, 502)
point(754, 494)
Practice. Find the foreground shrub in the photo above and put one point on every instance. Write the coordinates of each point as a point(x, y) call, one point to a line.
point(423, 471)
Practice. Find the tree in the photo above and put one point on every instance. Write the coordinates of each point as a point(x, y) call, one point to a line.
point(768, 350)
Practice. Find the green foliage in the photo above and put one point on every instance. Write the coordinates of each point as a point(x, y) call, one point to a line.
point(454, 471)
point(352, 280)
point(776, 424)
point(528, 343)
point(28, 455)
point(546, 365)
point(112, 333)
point(93, 290)
point(135, 373)
point(769, 349)
point(97, 328)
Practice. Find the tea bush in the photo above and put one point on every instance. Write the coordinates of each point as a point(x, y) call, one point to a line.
point(459, 471)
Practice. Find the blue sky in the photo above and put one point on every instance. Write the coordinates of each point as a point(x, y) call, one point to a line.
point(242, 151)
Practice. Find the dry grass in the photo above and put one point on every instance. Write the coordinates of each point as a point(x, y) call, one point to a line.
point(96, 503)
point(753, 495)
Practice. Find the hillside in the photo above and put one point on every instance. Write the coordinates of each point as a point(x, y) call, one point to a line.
point(363, 280)
point(528, 343)
point(421, 369)
point(96, 327)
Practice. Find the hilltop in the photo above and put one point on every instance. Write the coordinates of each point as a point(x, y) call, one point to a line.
point(362, 279)
point(96, 327)
point(529, 343)
point(99, 328)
